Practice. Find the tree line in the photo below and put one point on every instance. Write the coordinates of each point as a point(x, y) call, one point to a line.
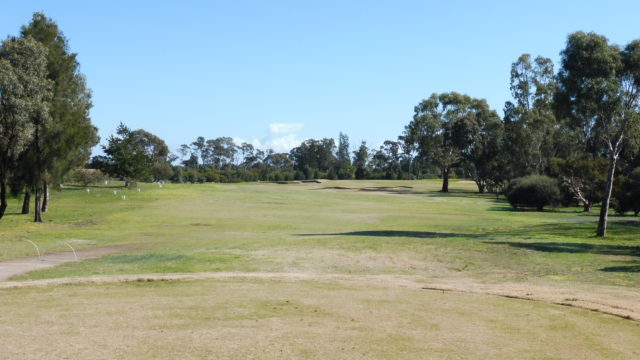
point(139, 155)
point(579, 125)
point(577, 129)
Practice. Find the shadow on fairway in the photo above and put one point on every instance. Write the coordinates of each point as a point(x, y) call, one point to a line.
point(397, 233)
point(505, 206)
point(573, 248)
point(461, 193)
point(627, 269)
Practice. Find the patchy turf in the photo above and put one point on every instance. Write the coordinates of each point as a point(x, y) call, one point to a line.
point(268, 319)
point(460, 241)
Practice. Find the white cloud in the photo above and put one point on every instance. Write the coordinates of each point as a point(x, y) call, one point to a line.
point(284, 128)
point(281, 137)
point(283, 143)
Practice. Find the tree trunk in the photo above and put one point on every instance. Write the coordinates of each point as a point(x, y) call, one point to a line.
point(604, 210)
point(37, 206)
point(445, 179)
point(481, 186)
point(3, 195)
point(586, 207)
point(45, 198)
point(26, 202)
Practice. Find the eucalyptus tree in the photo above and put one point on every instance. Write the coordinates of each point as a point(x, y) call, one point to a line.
point(485, 159)
point(157, 151)
point(24, 91)
point(599, 95)
point(67, 139)
point(126, 157)
point(583, 176)
point(445, 129)
point(220, 152)
point(314, 155)
point(248, 153)
point(199, 149)
point(361, 161)
point(280, 161)
point(529, 119)
point(343, 158)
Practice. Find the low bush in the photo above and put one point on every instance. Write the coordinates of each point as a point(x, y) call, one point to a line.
point(86, 177)
point(534, 191)
point(626, 196)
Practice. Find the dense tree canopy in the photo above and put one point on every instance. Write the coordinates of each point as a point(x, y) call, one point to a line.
point(24, 111)
point(446, 129)
point(599, 95)
point(127, 156)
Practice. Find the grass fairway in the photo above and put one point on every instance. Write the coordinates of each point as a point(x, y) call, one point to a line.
point(330, 270)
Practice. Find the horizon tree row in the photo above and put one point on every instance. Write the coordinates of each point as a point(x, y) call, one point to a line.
point(580, 126)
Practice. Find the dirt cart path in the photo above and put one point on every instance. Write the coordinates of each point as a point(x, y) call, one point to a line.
point(24, 265)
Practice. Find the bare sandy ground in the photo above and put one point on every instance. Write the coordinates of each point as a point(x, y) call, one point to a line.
point(24, 265)
point(617, 301)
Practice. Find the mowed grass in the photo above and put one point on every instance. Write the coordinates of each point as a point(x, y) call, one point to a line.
point(359, 227)
point(268, 319)
point(359, 231)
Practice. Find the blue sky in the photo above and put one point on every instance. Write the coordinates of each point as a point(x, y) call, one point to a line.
point(278, 72)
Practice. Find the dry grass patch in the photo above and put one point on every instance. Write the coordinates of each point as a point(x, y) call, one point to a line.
point(266, 319)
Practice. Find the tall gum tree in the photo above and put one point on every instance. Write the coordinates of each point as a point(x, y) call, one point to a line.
point(529, 119)
point(69, 136)
point(445, 130)
point(24, 91)
point(599, 95)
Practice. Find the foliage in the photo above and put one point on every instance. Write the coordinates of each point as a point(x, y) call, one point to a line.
point(599, 96)
point(126, 157)
point(361, 161)
point(69, 136)
point(24, 91)
point(86, 177)
point(530, 124)
point(533, 191)
point(343, 168)
point(157, 151)
point(313, 156)
point(583, 176)
point(445, 130)
point(627, 197)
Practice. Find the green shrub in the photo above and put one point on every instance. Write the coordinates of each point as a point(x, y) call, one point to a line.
point(534, 191)
point(626, 196)
point(86, 177)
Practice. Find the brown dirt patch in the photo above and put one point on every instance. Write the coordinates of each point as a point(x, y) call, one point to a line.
point(620, 302)
point(24, 265)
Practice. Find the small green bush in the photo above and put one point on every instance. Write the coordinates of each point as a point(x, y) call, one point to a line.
point(86, 177)
point(534, 191)
point(626, 196)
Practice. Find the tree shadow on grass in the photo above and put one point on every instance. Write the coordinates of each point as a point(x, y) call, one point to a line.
point(15, 213)
point(627, 269)
point(400, 190)
point(398, 233)
point(573, 248)
point(505, 206)
point(460, 193)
